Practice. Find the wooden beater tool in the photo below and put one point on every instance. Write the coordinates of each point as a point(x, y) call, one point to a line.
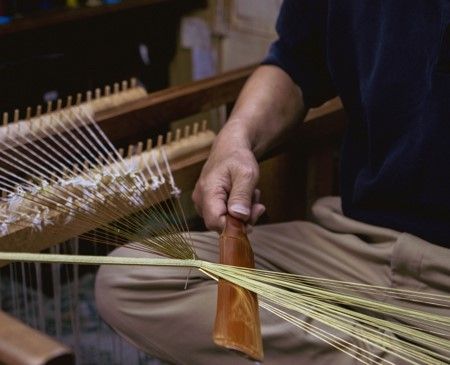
point(237, 325)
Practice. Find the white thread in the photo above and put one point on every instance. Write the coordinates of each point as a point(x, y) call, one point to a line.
point(175, 190)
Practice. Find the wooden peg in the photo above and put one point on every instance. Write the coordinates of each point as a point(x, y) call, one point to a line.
point(4, 194)
point(177, 135)
point(195, 132)
point(38, 111)
point(28, 113)
point(49, 106)
point(124, 85)
point(86, 166)
point(69, 101)
point(133, 82)
point(121, 152)
point(5, 119)
point(116, 88)
point(16, 116)
point(204, 125)
point(130, 151)
point(98, 93)
point(107, 90)
point(88, 96)
point(79, 99)
point(160, 141)
point(169, 137)
point(149, 145)
point(139, 148)
point(187, 131)
point(58, 105)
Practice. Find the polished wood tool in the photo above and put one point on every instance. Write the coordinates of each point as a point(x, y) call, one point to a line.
point(237, 325)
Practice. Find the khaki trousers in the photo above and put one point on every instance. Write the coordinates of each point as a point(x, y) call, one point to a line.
point(150, 308)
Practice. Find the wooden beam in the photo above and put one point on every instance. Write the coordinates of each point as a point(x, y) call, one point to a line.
point(161, 107)
point(22, 345)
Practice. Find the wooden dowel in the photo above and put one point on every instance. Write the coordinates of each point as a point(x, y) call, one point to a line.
point(22, 345)
point(196, 125)
point(149, 145)
point(139, 148)
point(130, 151)
point(177, 135)
point(169, 137)
point(16, 116)
point(160, 141)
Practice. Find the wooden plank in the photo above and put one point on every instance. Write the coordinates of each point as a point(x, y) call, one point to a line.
point(135, 119)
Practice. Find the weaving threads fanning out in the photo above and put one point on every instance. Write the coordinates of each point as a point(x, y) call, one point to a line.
point(71, 180)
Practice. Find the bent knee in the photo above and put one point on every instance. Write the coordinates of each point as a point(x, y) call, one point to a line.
point(106, 297)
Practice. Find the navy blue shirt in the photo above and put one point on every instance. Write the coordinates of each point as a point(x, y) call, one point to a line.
point(389, 61)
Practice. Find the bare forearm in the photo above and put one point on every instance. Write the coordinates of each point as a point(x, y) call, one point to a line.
point(268, 106)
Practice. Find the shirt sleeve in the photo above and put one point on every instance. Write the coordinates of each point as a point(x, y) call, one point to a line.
point(300, 49)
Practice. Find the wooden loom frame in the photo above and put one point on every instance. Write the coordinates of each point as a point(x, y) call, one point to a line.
point(302, 169)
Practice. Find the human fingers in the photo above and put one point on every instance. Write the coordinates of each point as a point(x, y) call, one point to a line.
point(257, 211)
point(244, 178)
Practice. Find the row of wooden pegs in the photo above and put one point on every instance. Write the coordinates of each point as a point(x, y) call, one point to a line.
point(71, 101)
point(137, 149)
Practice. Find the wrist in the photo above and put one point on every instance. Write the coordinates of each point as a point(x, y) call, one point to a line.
point(238, 134)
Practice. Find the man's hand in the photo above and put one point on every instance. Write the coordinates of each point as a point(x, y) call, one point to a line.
point(269, 105)
point(227, 184)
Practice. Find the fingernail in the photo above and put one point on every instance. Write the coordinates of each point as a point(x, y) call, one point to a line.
point(240, 209)
point(261, 210)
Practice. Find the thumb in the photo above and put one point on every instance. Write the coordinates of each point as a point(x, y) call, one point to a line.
point(240, 199)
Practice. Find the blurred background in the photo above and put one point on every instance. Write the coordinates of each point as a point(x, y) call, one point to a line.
point(53, 48)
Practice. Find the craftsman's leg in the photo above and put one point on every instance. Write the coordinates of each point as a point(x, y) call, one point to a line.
point(151, 309)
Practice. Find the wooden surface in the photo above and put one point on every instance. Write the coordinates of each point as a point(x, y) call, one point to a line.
point(22, 345)
point(125, 124)
point(303, 167)
point(237, 326)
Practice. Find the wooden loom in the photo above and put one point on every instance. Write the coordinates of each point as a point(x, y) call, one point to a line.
point(316, 154)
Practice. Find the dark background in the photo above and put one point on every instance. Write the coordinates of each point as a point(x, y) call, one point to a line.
point(72, 51)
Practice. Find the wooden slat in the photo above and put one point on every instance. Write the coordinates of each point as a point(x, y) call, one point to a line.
point(22, 345)
point(159, 108)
